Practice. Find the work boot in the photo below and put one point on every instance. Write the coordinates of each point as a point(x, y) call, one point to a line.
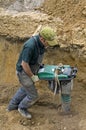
point(12, 107)
point(24, 113)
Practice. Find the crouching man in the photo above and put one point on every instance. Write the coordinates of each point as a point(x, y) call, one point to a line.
point(27, 67)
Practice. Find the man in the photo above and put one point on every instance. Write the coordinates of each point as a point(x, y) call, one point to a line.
point(27, 67)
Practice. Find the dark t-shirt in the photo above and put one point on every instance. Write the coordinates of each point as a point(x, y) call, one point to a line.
point(30, 52)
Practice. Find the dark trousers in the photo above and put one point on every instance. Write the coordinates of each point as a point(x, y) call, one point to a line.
point(26, 95)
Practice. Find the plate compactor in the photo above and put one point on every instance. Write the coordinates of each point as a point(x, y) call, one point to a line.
point(60, 79)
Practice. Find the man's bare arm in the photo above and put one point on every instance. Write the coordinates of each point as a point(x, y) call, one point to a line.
point(27, 69)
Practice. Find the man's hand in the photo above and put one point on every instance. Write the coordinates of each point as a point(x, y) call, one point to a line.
point(34, 78)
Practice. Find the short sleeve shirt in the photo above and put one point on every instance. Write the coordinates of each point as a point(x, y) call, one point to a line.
point(30, 52)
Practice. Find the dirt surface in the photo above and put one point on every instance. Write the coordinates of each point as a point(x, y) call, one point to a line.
point(47, 111)
point(71, 11)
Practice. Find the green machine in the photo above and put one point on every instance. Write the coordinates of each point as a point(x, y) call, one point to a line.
point(64, 72)
point(60, 80)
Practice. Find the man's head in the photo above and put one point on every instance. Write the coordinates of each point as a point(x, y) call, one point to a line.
point(48, 35)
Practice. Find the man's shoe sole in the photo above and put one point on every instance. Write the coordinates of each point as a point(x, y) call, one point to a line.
point(26, 116)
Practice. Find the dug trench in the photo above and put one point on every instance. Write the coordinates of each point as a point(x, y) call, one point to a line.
point(46, 112)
